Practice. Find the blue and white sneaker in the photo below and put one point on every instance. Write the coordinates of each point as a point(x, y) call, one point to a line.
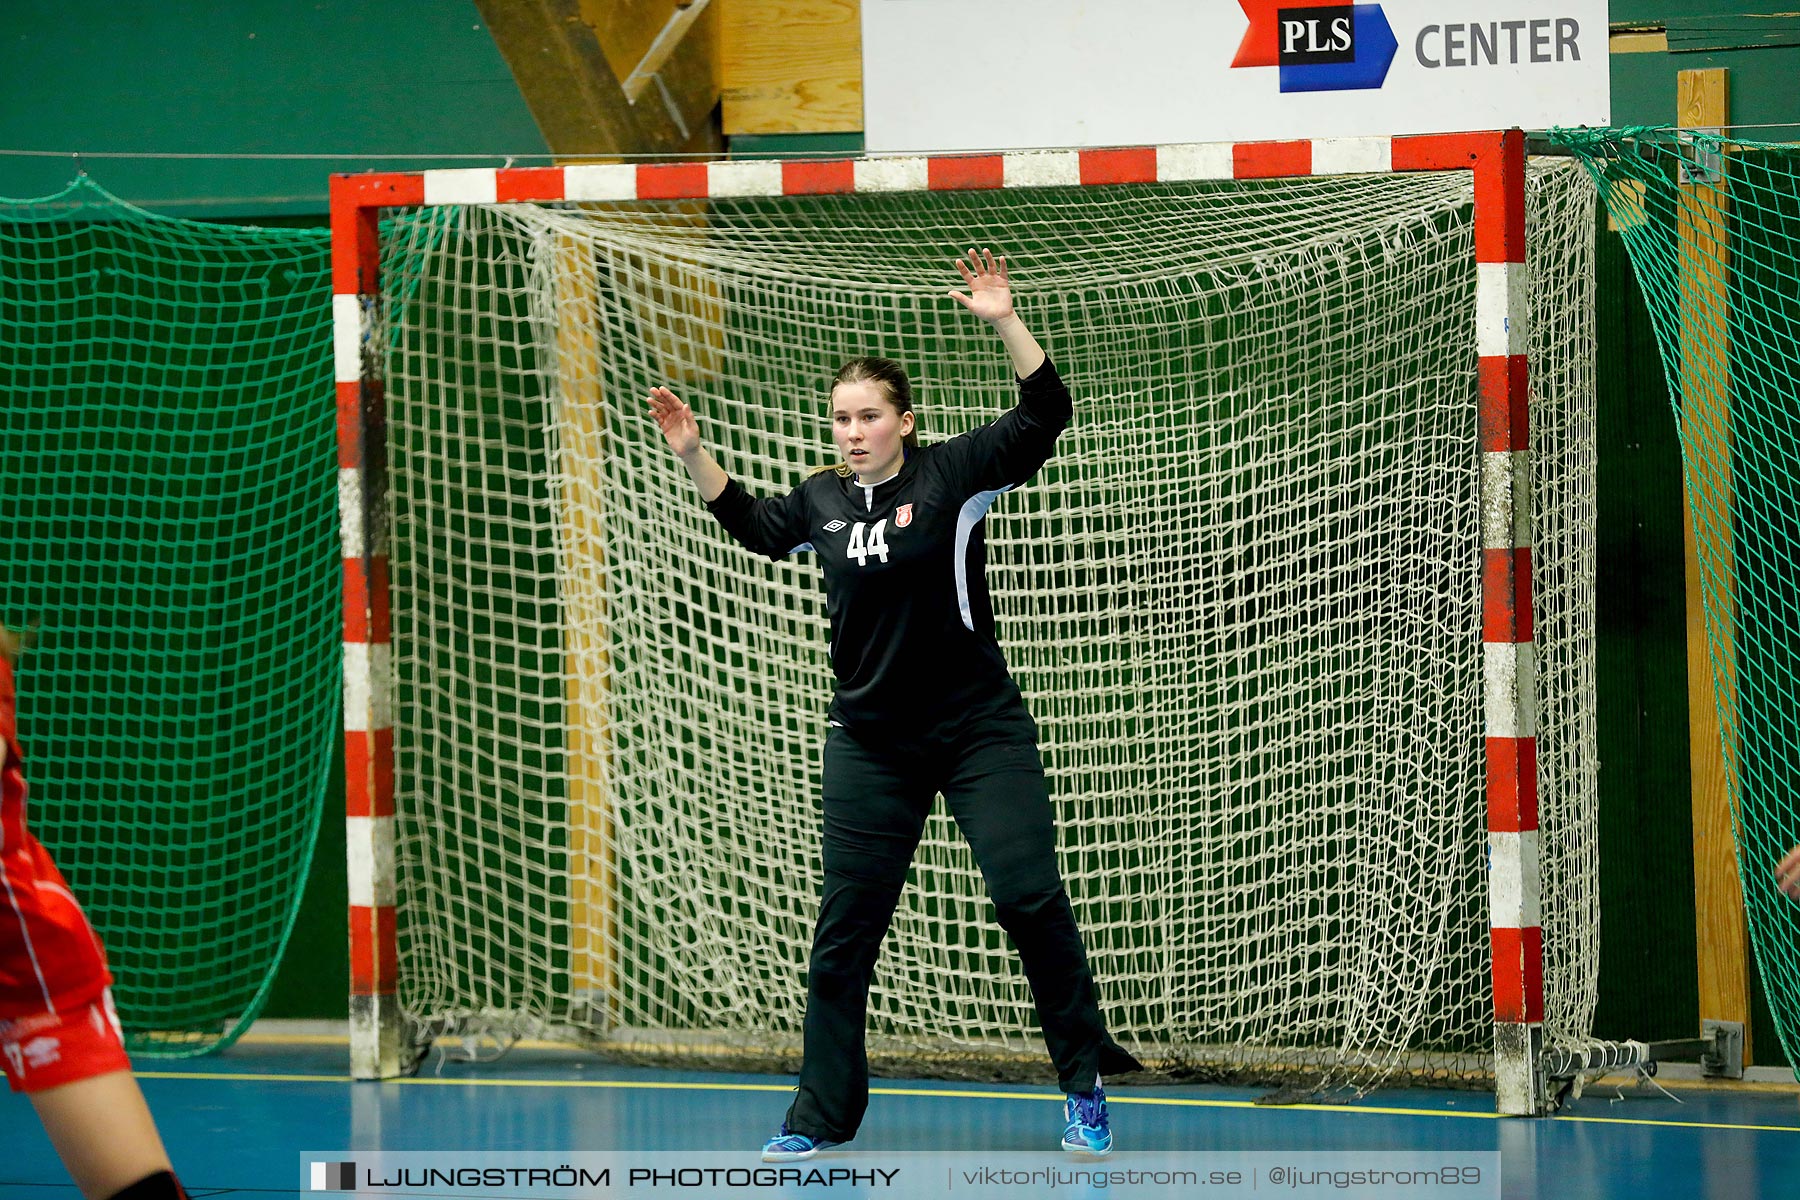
point(788, 1146)
point(1088, 1131)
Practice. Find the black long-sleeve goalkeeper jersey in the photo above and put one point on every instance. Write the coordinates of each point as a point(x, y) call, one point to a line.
point(912, 627)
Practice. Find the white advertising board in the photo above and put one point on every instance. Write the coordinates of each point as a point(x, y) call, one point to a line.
point(1020, 74)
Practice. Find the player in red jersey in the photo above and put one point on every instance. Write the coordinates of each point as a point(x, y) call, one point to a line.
point(60, 1041)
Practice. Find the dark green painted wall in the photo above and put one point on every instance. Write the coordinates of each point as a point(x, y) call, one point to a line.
point(1765, 88)
point(209, 77)
point(1647, 867)
point(1703, 34)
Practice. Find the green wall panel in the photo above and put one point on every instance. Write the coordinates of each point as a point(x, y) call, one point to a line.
point(1765, 87)
point(329, 77)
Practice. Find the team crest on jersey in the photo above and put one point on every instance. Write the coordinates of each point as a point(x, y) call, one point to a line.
point(903, 516)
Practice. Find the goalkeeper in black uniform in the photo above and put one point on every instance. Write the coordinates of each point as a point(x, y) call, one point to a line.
point(924, 704)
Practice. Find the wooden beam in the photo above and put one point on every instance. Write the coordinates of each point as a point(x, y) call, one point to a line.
point(681, 70)
point(573, 91)
point(663, 52)
point(1703, 230)
point(626, 29)
point(663, 47)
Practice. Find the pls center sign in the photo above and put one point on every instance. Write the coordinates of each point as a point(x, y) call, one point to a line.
point(1017, 74)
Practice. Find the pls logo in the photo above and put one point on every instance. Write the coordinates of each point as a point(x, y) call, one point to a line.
point(1319, 46)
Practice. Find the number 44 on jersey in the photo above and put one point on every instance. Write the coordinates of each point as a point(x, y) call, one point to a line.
point(876, 542)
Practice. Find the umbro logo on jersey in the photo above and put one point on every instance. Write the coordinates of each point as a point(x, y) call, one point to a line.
point(903, 516)
point(834, 526)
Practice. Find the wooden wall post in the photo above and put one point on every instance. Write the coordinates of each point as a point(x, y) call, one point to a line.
point(1721, 929)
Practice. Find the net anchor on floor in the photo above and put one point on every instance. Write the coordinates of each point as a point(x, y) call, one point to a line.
point(1720, 1053)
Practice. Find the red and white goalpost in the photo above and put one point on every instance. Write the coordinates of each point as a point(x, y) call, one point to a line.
point(1243, 790)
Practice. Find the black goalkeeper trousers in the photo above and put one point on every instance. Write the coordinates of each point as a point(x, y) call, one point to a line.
point(875, 803)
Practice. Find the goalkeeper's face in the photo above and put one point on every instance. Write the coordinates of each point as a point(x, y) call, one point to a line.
point(869, 432)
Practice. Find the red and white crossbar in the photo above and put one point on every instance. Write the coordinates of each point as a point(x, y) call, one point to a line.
point(1509, 660)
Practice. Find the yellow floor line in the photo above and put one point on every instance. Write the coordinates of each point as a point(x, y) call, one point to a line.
point(1608, 1081)
point(956, 1094)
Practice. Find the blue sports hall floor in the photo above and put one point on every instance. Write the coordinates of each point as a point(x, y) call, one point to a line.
point(238, 1124)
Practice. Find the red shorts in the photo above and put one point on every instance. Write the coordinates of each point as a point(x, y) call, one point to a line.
point(52, 1049)
point(50, 960)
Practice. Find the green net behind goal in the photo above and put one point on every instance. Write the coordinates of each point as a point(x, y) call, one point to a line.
point(1712, 225)
point(168, 500)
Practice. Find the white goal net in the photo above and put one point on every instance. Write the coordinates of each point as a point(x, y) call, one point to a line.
point(1243, 602)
